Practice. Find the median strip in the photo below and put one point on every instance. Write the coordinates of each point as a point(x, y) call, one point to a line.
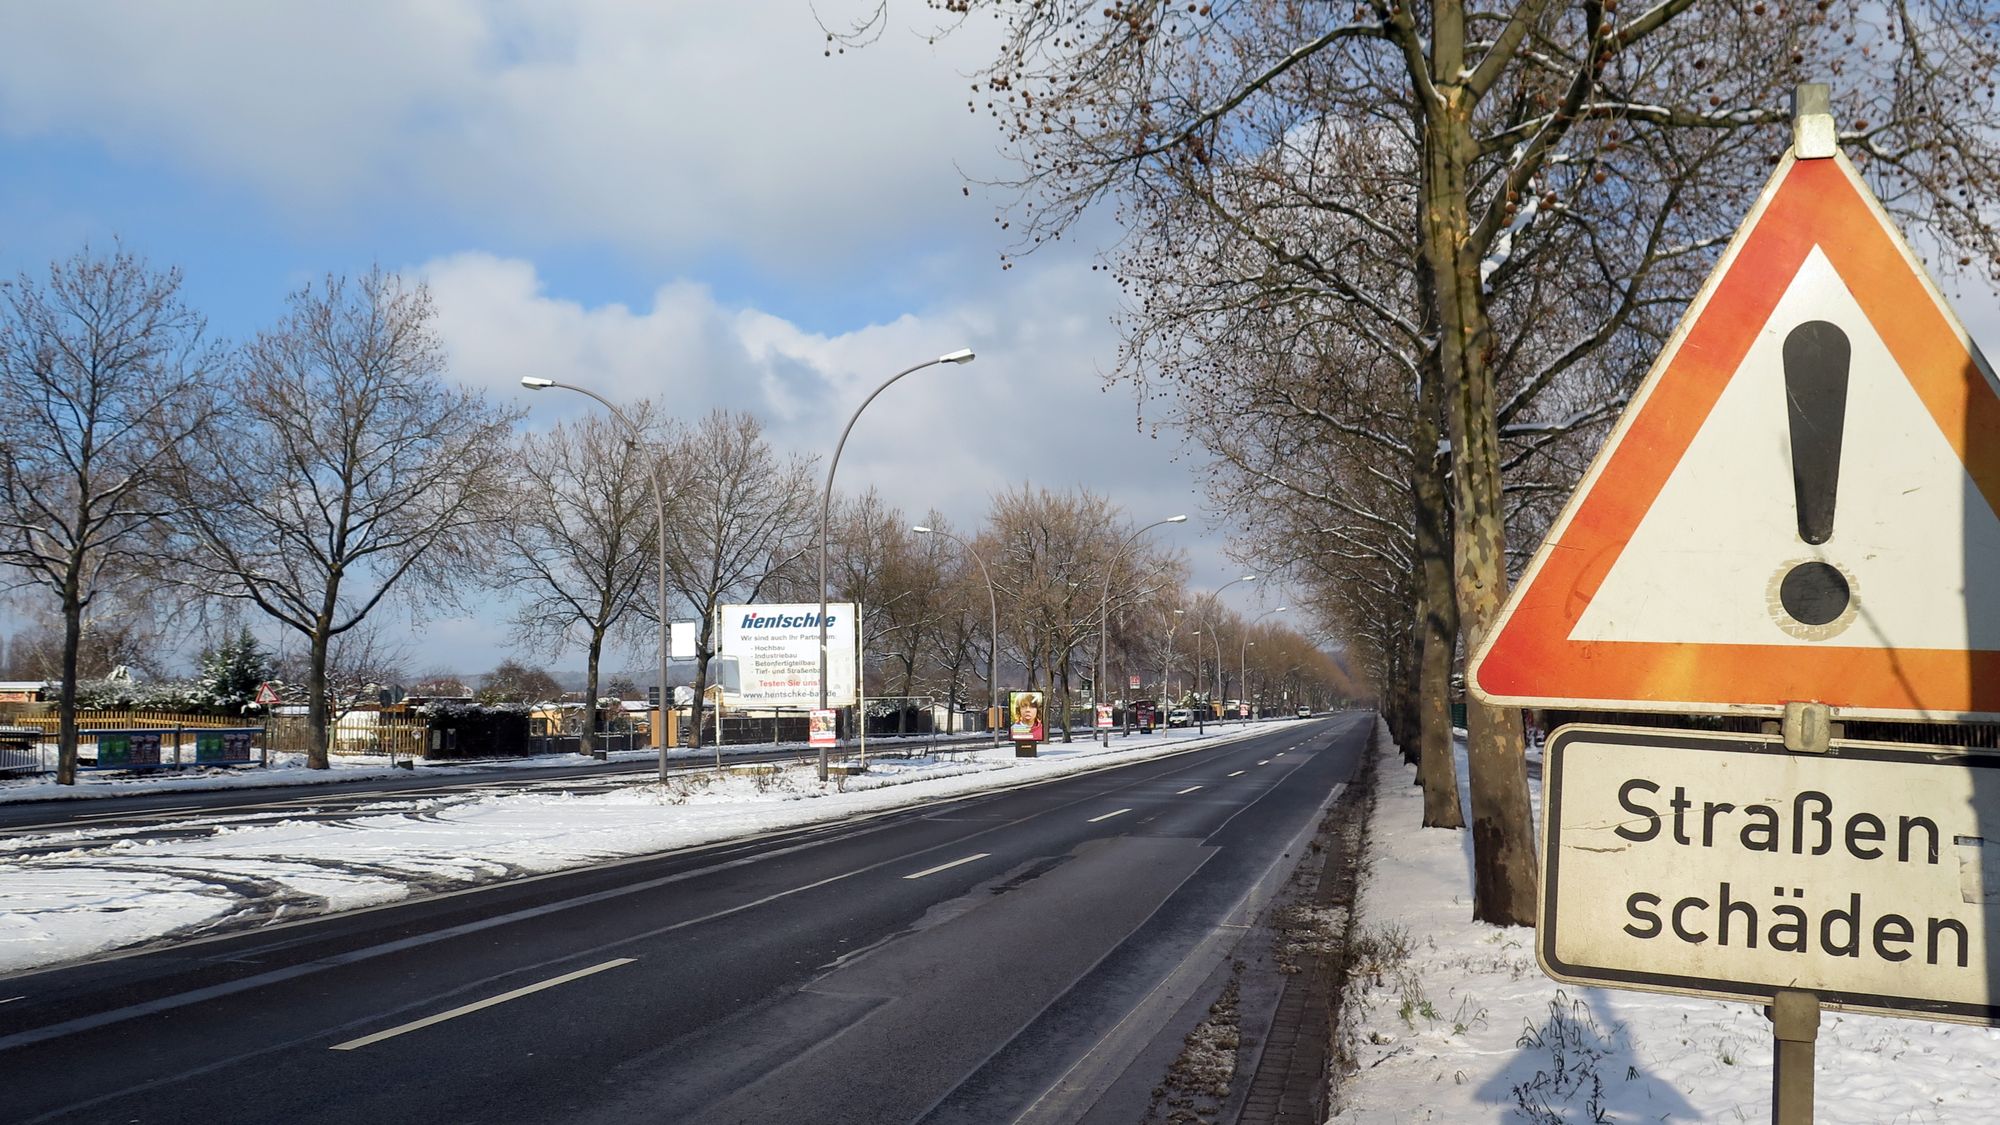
point(947, 866)
point(489, 1002)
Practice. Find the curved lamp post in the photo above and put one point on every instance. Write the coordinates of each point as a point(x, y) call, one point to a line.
point(1243, 651)
point(660, 516)
point(1215, 634)
point(993, 649)
point(1104, 614)
point(962, 355)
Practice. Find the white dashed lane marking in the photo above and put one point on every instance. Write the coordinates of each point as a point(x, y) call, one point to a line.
point(947, 866)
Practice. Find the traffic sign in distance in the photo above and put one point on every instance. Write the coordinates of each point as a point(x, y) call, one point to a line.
point(1797, 505)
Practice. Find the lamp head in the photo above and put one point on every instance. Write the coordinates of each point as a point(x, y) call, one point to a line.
point(1176, 519)
point(920, 529)
point(536, 382)
point(1248, 578)
point(962, 355)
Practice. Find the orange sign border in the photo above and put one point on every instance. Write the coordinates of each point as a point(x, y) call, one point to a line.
point(1529, 659)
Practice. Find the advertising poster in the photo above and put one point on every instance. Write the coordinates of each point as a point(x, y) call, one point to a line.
point(820, 728)
point(776, 648)
point(1103, 716)
point(1025, 709)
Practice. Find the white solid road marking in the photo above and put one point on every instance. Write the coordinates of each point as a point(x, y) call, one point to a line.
point(1109, 815)
point(1188, 790)
point(947, 866)
point(1238, 773)
point(132, 814)
point(489, 1002)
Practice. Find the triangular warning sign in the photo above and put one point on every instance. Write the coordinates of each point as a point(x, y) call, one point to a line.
point(267, 693)
point(1799, 503)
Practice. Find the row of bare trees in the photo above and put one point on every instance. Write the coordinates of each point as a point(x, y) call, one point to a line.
point(328, 466)
point(1400, 263)
point(307, 474)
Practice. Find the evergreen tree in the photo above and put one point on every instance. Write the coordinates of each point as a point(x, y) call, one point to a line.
point(231, 671)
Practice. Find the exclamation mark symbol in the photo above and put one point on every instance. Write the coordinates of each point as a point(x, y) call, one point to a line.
point(1816, 359)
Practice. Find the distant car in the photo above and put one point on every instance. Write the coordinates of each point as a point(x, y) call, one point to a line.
point(1305, 712)
point(1179, 717)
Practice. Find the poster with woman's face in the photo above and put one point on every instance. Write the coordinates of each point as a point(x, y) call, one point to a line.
point(1026, 709)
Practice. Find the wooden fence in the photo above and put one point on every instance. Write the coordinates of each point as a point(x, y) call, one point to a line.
point(358, 732)
point(129, 720)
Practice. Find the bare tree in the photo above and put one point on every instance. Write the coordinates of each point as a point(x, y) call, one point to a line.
point(104, 368)
point(353, 471)
point(742, 520)
point(581, 544)
point(514, 682)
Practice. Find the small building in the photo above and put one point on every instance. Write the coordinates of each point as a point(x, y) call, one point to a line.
point(26, 691)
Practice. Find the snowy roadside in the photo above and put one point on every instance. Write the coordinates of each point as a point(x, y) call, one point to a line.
point(80, 892)
point(1452, 1020)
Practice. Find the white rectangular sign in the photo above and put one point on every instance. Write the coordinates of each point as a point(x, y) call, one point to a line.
point(681, 638)
point(1721, 865)
point(776, 646)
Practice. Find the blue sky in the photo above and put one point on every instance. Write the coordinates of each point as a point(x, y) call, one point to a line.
point(645, 197)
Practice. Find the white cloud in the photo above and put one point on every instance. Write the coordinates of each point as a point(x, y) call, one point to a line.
point(657, 127)
point(1031, 408)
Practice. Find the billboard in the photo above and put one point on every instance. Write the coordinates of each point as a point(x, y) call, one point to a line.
point(1025, 710)
point(776, 647)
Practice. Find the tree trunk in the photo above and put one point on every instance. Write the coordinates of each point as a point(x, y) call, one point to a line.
point(1064, 680)
point(701, 658)
point(1437, 619)
point(588, 743)
point(66, 737)
point(1503, 837)
point(316, 701)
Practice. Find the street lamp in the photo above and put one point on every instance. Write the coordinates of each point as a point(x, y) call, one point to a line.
point(1104, 612)
point(1216, 634)
point(993, 650)
point(633, 435)
point(962, 355)
point(1243, 654)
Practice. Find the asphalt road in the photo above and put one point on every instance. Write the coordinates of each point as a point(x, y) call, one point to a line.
point(1002, 957)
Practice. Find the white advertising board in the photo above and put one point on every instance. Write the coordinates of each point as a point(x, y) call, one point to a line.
point(1720, 865)
point(776, 646)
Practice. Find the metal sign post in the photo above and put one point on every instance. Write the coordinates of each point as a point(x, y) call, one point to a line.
point(1794, 1024)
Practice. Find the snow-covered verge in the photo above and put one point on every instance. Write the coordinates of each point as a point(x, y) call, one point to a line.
point(1447, 1019)
point(79, 892)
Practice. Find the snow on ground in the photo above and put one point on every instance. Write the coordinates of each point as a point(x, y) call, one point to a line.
point(1452, 1020)
point(290, 769)
point(77, 892)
